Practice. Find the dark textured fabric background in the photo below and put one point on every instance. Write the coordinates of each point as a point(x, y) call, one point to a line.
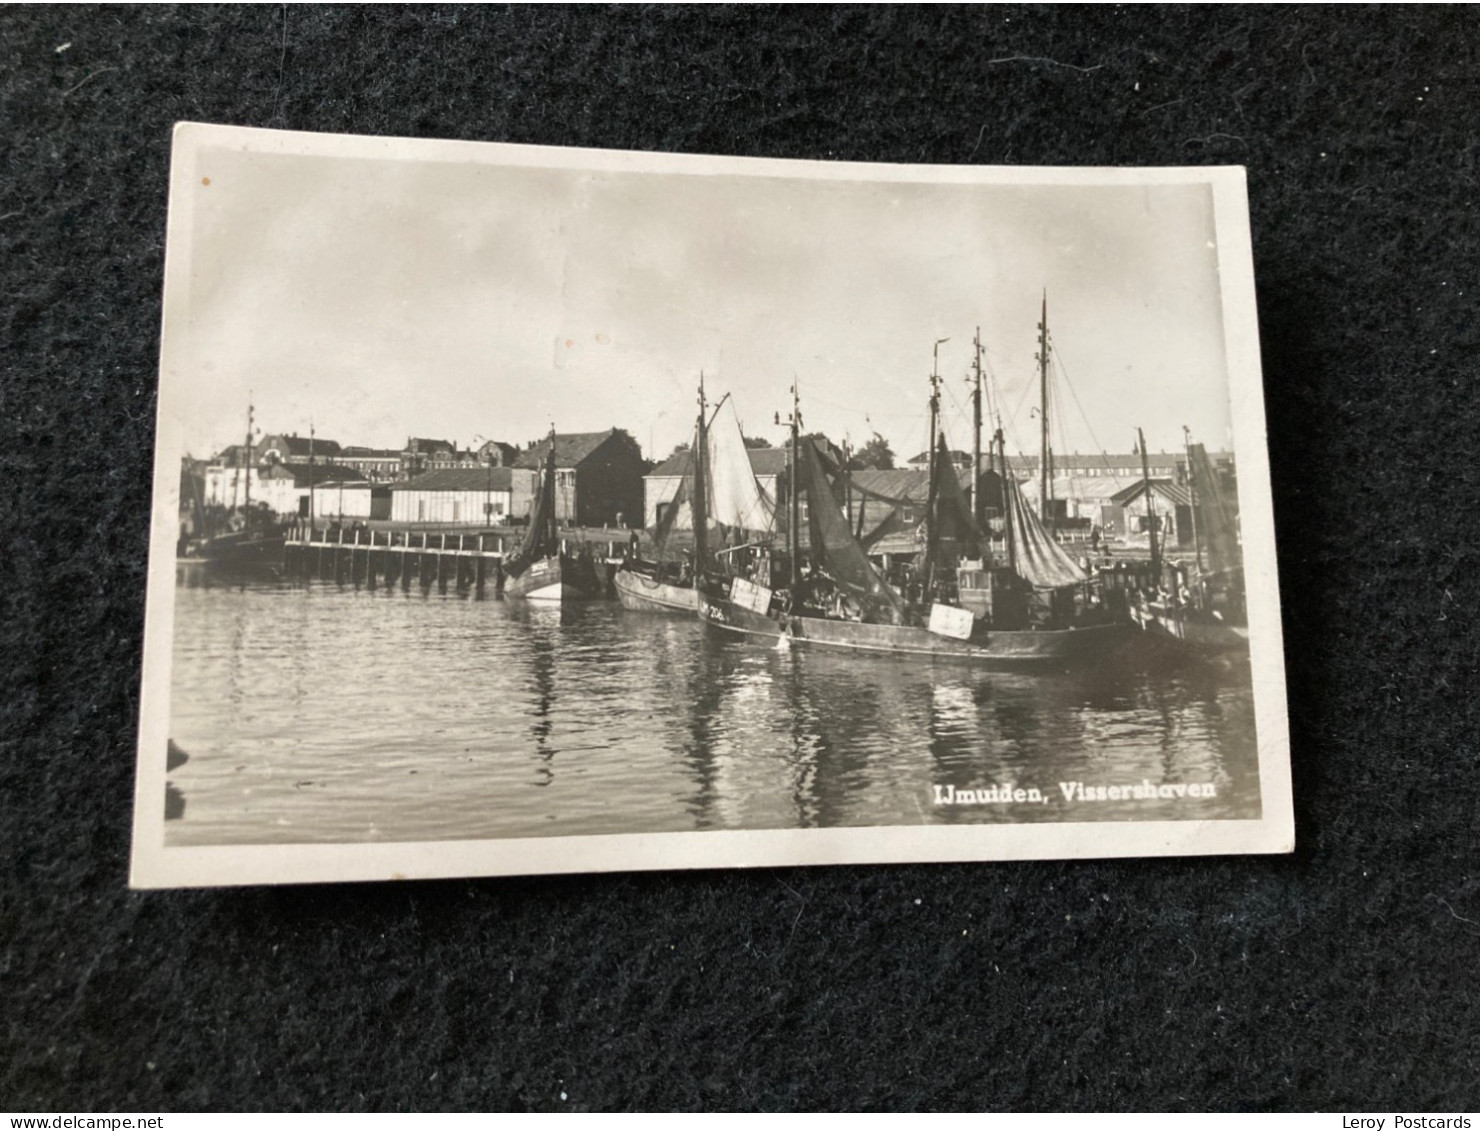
point(1344, 976)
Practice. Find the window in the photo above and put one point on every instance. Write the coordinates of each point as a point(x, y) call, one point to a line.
point(456, 512)
point(421, 510)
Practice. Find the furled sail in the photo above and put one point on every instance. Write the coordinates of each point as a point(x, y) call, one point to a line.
point(1217, 516)
point(951, 510)
point(836, 550)
point(736, 500)
point(1036, 557)
point(539, 540)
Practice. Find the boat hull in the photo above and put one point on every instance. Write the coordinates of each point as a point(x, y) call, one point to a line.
point(644, 595)
point(729, 617)
point(232, 554)
point(1195, 630)
point(1050, 648)
point(550, 580)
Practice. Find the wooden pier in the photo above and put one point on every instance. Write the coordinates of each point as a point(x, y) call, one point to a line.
point(467, 561)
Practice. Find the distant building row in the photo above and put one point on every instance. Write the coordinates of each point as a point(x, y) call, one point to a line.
point(1104, 494)
point(598, 480)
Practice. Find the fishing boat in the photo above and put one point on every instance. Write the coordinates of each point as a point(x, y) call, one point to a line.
point(542, 569)
point(1200, 604)
point(640, 588)
point(666, 586)
point(1038, 608)
point(253, 545)
point(721, 502)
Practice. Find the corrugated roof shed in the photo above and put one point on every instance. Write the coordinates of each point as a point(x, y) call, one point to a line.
point(461, 479)
point(320, 473)
point(902, 483)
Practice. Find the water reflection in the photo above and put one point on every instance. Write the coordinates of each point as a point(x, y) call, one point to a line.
point(316, 712)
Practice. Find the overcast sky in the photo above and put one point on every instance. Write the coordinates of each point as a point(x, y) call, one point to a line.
point(387, 298)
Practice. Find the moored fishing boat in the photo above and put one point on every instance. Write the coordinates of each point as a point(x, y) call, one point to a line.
point(557, 577)
point(845, 605)
point(641, 591)
point(254, 548)
point(1200, 604)
point(662, 586)
point(1038, 608)
point(541, 569)
point(720, 501)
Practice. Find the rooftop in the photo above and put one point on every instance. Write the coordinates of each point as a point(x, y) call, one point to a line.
point(461, 479)
point(295, 448)
point(571, 448)
point(1163, 487)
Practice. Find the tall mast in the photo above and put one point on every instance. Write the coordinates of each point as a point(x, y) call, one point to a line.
point(247, 509)
point(1007, 500)
point(847, 482)
point(976, 433)
point(552, 532)
point(1045, 482)
point(1150, 506)
point(794, 518)
point(698, 505)
point(310, 478)
point(932, 530)
point(1192, 497)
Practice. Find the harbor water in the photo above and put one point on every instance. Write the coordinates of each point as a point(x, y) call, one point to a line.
point(312, 712)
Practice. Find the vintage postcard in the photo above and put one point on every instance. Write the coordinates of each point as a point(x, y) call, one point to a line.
point(526, 510)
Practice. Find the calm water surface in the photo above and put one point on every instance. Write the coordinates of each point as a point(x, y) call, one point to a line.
point(311, 713)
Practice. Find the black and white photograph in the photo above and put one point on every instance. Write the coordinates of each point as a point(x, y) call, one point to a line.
point(525, 510)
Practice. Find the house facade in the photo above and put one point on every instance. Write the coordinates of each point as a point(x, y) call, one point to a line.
point(378, 465)
point(598, 477)
point(1160, 504)
point(496, 453)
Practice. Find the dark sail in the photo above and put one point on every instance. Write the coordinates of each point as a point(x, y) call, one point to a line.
point(1217, 516)
point(1036, 557)
point(892, 524)
point(699, 502)
point(539, 541)
point(837, 552)
point(952, 512)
